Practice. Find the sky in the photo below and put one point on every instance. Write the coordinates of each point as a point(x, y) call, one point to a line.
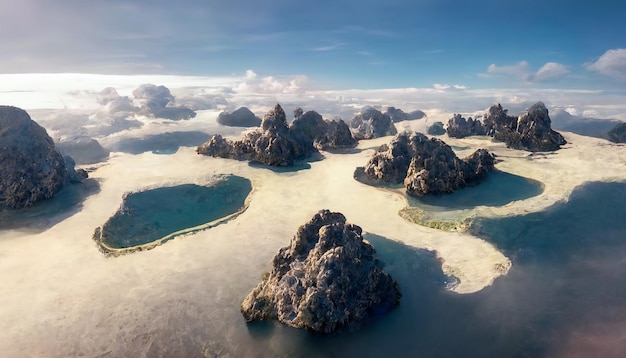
point(359, 44)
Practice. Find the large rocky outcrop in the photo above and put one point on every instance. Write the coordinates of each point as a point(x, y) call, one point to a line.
point(398, 115)
point(371, 123)
point(459, 127)
point(326, 279)
point(278, 144)
point(424, 165)
point(313, 131)
point(436, 129)
point(530, 131)
point(31, 169)
point(618, 133)
point(242, 117)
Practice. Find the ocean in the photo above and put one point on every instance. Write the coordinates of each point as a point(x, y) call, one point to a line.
point(564, 296)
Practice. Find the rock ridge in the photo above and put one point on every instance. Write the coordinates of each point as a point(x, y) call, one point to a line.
point(276, 143)
point(424, 166)
point(328, 278)
point(31, 168)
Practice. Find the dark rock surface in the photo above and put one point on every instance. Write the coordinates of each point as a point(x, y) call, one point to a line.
point(83, 150)
point(398, 115)
point(313, 131)
point(272, 144)
point(278, 144)
point(618, 133)
point(371, 123)
point(459, 127)
point(242, 117)
point(530, 131)
point(436, 129)
point(424, 165)
point(327, 278)
point(31, 168)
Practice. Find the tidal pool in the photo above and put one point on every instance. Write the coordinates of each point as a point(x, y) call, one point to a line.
point(149, 218)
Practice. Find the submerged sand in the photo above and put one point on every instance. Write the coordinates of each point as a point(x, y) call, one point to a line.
point(61, 297)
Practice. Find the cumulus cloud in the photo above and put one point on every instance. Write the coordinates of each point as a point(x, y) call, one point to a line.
point(114, 104)
point(611, 63)
point(550, 71)
point(152, 96)
point(252, 83)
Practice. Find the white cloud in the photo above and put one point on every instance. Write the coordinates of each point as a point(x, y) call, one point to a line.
point(329, 48)
point(611, 63)
point(445, 87)
point(550, 71)
point(519, 69)
point(250, 75)
point(270, 85)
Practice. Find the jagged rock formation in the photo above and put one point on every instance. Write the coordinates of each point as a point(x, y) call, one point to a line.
point(326, 279)
point(424, 165)
point(398, 115)
point(312, 130)
point(459, 127)
point(436, 129)
point(83, 150)
point(31, 169)
point(278, 144)
point(371, 123)
point(530, 131)
point(242, 117)
point(618, 133)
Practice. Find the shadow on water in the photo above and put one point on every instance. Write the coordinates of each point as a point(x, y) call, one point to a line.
point(499, 188)
point(565, 293)
point(164, 143)
point(50, 212)
point(290, 169)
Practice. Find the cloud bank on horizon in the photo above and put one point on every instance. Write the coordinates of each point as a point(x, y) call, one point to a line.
point(351, 44)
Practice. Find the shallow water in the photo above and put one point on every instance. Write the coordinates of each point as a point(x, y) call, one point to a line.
point(565, 294)
point(63, 298)
point(498, 189)
point(162, 143)
point(49, 212)
point(150, 215)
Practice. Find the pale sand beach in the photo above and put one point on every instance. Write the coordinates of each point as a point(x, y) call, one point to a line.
point(62, 290)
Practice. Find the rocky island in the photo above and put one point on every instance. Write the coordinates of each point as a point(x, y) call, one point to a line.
point(277, 143)
point(371, 123)
point(31, 168)
point(436, 129)
point(530, 131)
point(328, 278)
point(241, 117)
point(424, 165)
point(398, 115)
point(618, 133)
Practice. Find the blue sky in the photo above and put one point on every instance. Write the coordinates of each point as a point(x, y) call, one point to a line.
point(335, 44)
